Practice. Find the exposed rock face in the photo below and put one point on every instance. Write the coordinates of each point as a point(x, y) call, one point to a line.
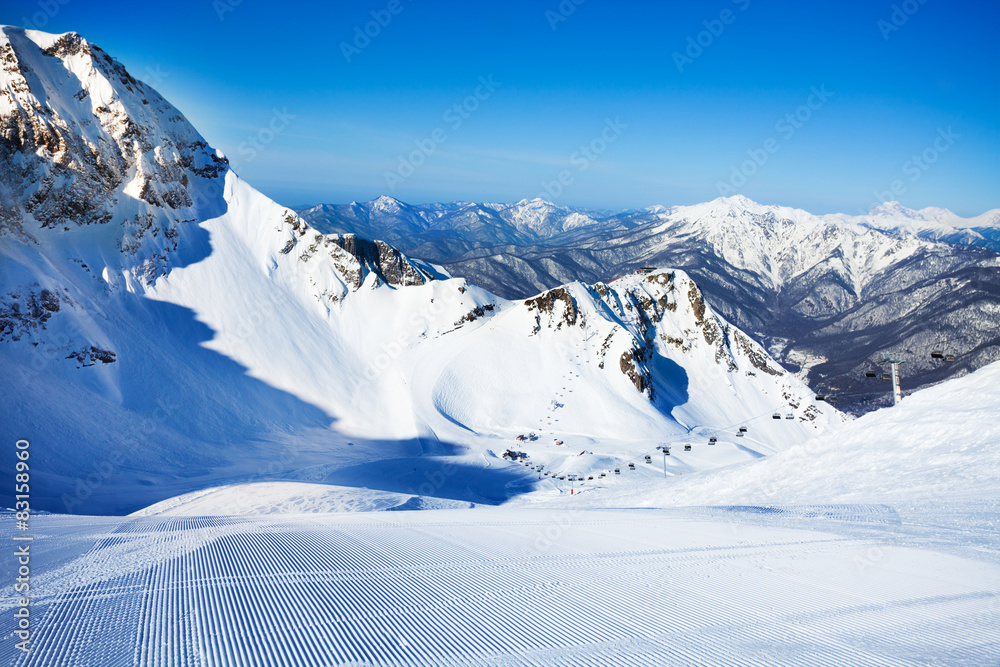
point(645, 304)
point(476, 313)
point(353, 257)
point(644, 315)
point(632, 364)
point(553, 308)
point(82, 142)
point(391, 266)
point(26, 311)
point(89, 357)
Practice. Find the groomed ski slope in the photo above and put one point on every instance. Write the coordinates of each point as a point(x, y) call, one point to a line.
point(503, 587)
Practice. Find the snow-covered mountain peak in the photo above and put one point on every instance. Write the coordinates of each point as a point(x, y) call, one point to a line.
point(728, 213)
point(737, 207)
point(736, 204)
point(386, 204)
point(90, 146)
point(536, 203)
point(105, 185)
point(895, 210)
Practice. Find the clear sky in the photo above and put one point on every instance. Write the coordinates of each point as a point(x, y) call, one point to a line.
point(674, 102)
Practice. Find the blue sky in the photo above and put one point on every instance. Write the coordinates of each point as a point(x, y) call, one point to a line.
point(820, 105)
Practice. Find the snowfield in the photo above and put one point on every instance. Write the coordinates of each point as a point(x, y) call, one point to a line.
point(505, 587)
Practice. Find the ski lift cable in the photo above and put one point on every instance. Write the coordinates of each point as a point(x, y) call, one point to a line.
point(723, 429)
point(944, 343)
point(720, 429)
point(939, 350)
point(769, 413)
point(973, 333)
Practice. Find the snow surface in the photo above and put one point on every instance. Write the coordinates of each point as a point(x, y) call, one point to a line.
point(502, 587)
point(264, 498)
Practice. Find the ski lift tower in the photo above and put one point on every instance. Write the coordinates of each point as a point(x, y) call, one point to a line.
point(894, 360)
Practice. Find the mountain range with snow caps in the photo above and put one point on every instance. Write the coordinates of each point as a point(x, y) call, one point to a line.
point(166, 328)
point(828, 295)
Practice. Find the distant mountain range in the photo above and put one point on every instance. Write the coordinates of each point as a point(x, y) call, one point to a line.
point(828, 295)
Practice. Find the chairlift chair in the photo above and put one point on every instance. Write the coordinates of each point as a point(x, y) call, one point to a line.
point(871, 374)
point(712, 441)
point(618, 471)
point(776, 416)
point(743, 429)
point(820, 397)
point(687, 448)
point(937, 354)
point(789, 416)
point(949, 358)
point(631, 466)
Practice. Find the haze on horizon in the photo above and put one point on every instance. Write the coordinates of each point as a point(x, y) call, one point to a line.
point(829, 107)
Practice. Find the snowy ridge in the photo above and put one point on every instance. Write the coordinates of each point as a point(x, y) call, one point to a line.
point(783, 243)
point(938, 224)
point(269, 498)
point(640, 357)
